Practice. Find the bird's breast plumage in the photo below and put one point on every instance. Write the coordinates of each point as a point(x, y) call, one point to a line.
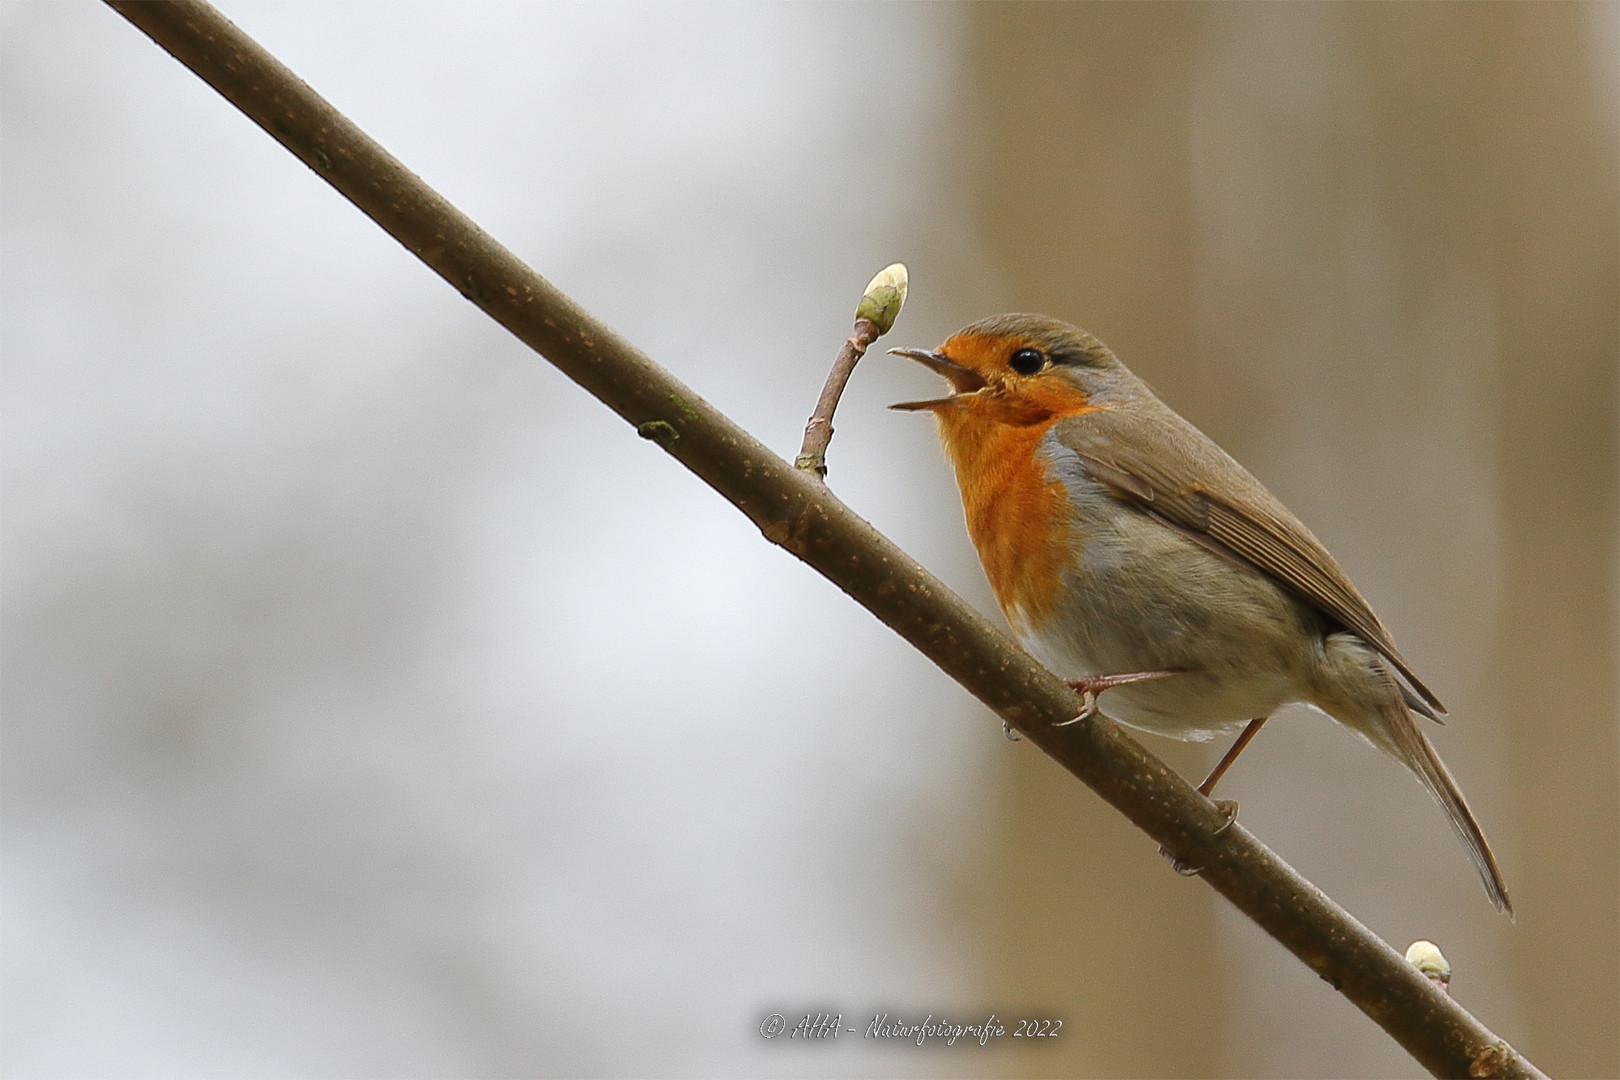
point(1016, 509)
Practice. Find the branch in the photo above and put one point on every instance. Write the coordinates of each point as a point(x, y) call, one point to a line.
point(795, 510)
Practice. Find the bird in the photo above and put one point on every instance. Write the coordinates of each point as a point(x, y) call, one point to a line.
point(1132, 555)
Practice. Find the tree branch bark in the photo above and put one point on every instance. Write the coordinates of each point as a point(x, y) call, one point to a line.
point(793, 509)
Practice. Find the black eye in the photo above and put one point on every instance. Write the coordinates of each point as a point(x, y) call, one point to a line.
point(1026, 361)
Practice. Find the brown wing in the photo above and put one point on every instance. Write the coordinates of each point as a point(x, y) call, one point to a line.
point(1175, 472)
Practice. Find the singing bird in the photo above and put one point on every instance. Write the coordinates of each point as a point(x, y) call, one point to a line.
point(1132, 555)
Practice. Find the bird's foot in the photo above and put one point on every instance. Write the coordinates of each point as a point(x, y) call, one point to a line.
point(1185, 869)
point(1229, 810)
point(1089, 688)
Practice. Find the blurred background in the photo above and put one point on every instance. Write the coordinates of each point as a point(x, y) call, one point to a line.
point(375, 704)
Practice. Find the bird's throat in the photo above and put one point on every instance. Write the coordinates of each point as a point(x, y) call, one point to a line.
point(1016, 509)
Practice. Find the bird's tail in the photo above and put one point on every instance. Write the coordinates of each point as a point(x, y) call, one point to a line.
point(1388, 724)
point(1418, 754)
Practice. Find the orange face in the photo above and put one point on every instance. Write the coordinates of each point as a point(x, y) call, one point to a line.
point(1001, 378)
point(1006, 393)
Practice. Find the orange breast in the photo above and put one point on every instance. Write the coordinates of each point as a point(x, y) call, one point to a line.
point(1017, 512)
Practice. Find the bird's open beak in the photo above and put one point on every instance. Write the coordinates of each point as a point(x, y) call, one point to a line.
point(963, 380)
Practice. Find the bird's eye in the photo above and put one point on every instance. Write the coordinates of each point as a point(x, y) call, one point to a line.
point(1026, 361)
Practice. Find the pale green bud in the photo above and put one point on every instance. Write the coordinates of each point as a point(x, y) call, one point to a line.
point(884, 297)
point(1427, 958)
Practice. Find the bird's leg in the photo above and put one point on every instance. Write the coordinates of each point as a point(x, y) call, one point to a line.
point(1228, 807)
point(1093, 685)
point(1231, 755)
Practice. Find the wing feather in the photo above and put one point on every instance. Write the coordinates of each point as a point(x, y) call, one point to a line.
point(1176, 473)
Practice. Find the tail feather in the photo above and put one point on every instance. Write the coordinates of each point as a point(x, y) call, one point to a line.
point(1419, 755)
point(1364, 695)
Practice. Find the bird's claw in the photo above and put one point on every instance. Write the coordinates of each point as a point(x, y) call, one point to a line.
point(1180, 866)
point(1088, 706)
point(1229, 810)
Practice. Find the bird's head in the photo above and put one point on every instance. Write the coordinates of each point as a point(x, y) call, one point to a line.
point(1020, 370)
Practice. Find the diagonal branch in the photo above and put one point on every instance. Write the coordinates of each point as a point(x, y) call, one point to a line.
point(795, 510)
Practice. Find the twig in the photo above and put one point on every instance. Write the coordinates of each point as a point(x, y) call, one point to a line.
point(884, 297)
point(818, 432)
point(794, 509)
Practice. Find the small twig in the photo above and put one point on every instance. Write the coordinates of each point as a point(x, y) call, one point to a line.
point(885, 295)
point(818, 432)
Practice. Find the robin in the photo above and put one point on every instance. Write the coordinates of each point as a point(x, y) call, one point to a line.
point(1132, 555)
